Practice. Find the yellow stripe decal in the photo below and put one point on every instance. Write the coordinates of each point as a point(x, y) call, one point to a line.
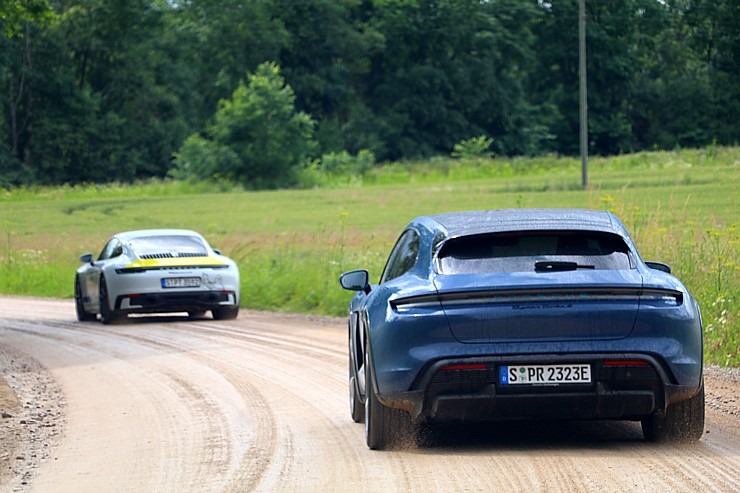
point(175, 262)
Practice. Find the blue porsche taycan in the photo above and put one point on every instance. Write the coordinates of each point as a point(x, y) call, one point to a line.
point(523, 314)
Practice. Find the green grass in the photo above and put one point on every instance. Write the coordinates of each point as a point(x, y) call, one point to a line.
point(291, 245)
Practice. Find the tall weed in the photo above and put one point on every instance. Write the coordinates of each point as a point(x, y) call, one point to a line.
point(705, 257)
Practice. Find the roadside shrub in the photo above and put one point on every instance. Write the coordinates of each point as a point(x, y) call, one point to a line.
point(343, 163)
point(257, 137)
point(473, 148)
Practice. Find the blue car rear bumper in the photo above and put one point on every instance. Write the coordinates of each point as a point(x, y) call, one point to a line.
point(471, 390)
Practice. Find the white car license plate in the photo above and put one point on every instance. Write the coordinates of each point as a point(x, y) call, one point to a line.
point(544, 374)
point(181, 282)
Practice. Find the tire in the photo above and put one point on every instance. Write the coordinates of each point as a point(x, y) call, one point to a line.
point(682, 421)
point(356, 406)
point(225, 313)
point(107, 316)
point(82, 315)
point(384, 427)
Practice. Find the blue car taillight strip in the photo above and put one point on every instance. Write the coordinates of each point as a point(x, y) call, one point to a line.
point(662, 295)
point(539, 295)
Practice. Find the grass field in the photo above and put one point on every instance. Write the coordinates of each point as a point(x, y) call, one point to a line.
point(681, 207)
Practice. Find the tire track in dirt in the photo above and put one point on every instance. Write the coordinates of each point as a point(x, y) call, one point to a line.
point(288, 470)
point(322, 416)
point(275, 352)
point(101, 345)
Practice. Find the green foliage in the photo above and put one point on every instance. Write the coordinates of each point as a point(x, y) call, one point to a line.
point(99, 90)
point(92, 97)
point(342, 163)
point(197, 160)
point(13, 14)
point(212, 43)
point(13, 173)
point(257, 138)
point(473, 148)
point(327, 59)
point(451, 69)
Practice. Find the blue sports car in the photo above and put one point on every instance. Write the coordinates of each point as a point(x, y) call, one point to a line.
point(523, 314)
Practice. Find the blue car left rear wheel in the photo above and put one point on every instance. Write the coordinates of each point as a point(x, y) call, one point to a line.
point(385, 427)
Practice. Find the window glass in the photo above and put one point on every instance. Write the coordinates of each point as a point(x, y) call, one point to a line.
point(530, 251)
point(117, 250)
point(165, 246)
point(112, 249)
point(403, 257)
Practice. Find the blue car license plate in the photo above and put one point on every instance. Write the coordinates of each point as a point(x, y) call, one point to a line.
point(181, 282)
point(544, 374)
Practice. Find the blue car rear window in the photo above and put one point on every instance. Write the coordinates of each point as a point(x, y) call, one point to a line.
point(533, 251)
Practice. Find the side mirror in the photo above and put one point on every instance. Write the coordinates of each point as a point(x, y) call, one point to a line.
point(355, 280)
point(659, 266)
point(86, 258)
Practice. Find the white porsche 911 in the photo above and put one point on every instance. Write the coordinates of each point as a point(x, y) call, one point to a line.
point(156, 271)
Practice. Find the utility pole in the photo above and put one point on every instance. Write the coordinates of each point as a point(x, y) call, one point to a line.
point(583, 100)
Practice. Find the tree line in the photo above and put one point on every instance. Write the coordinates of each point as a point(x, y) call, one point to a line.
point(122, 90)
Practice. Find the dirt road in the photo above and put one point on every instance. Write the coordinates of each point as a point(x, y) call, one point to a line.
point(260, 404)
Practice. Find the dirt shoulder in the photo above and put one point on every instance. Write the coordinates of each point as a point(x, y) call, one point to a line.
point(31, 417)
point(722, 387)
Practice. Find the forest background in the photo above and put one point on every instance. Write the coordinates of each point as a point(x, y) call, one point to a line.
point(119, 91)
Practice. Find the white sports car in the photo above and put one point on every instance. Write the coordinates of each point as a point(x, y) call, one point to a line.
point(156, 271)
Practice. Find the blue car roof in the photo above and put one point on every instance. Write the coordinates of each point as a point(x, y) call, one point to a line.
point(495, 221)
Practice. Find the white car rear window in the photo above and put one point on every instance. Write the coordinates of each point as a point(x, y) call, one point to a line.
point(168, 246)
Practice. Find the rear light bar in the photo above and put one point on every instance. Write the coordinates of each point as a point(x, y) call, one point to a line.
point(626, 362)
point(464, 367)
point(494, 296)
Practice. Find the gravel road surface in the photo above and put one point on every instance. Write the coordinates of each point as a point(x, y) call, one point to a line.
point(164, 404)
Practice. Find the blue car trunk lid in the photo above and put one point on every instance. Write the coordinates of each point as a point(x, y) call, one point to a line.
point(552, 306)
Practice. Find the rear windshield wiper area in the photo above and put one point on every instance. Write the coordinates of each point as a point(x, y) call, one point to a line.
point(552, 265)
point(518, 251)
